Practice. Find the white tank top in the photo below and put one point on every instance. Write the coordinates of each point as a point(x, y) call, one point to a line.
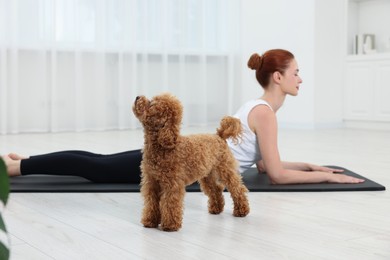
point(247, 150)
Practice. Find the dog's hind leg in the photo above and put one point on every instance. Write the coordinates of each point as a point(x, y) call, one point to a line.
point(150, 190)
point(214, 191)
point(237, 189)
point(171, 205)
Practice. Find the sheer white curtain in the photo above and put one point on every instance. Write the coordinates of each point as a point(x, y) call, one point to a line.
point(76, 65)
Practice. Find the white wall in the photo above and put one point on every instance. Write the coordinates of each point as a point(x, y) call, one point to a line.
point(311, 30)
point(330, 51)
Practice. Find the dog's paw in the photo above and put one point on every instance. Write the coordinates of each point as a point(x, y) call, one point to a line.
point(215, 210)
point(241, 212)
point(150, 224)
point(170, 228)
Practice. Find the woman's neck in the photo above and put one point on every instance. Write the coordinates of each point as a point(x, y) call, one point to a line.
point(274, 98)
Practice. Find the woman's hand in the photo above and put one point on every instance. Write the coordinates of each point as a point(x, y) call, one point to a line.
point(342, 178)
point(335, 176)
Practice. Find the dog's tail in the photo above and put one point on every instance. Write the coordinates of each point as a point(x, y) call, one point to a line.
point(230, 127)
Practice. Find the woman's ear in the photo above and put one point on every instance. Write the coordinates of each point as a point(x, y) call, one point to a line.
point(277, 76)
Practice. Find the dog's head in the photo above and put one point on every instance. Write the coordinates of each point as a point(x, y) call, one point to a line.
point(161, 118)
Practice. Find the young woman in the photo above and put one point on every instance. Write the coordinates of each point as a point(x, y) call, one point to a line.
point(276, 71)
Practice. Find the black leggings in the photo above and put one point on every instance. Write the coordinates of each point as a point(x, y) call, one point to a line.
point(112, 168)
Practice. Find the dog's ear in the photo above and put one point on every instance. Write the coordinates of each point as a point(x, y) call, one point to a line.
point(167, 137)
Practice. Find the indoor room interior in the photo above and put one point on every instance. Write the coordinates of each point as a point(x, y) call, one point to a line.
point(70, 71)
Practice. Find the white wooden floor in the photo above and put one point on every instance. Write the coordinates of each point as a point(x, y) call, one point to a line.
point(322, 225)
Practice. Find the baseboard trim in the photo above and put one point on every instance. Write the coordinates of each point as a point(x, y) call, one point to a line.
point(369, 125)
point(311, 126)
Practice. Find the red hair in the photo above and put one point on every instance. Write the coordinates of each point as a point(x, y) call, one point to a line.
point(268, 63)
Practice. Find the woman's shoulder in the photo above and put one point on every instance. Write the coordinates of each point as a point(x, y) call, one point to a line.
point(246, 109)
point(260, 106)
point(261, 115)
point(251, 104)
point(262, 110)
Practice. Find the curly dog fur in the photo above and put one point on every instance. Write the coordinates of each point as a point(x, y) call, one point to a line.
point(171, 162)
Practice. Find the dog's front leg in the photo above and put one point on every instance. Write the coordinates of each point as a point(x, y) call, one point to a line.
point(171, 206)
point(150, 190)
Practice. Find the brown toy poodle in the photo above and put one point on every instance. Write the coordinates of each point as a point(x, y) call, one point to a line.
point(171, 162)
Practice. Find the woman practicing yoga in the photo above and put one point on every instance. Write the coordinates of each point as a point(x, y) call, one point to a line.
point(276, 71)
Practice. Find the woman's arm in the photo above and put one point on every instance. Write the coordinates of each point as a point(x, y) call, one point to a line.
point(301, 166)
point(263, 122)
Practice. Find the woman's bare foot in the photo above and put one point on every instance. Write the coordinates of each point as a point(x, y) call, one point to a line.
point(15, 156)
point(13, 165)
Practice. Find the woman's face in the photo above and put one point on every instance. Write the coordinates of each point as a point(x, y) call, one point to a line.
point(290, 80)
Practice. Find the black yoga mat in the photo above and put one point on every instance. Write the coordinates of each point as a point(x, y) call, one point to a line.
point(252, 179)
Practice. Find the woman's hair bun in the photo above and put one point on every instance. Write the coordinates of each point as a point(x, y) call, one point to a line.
point(255, 61)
